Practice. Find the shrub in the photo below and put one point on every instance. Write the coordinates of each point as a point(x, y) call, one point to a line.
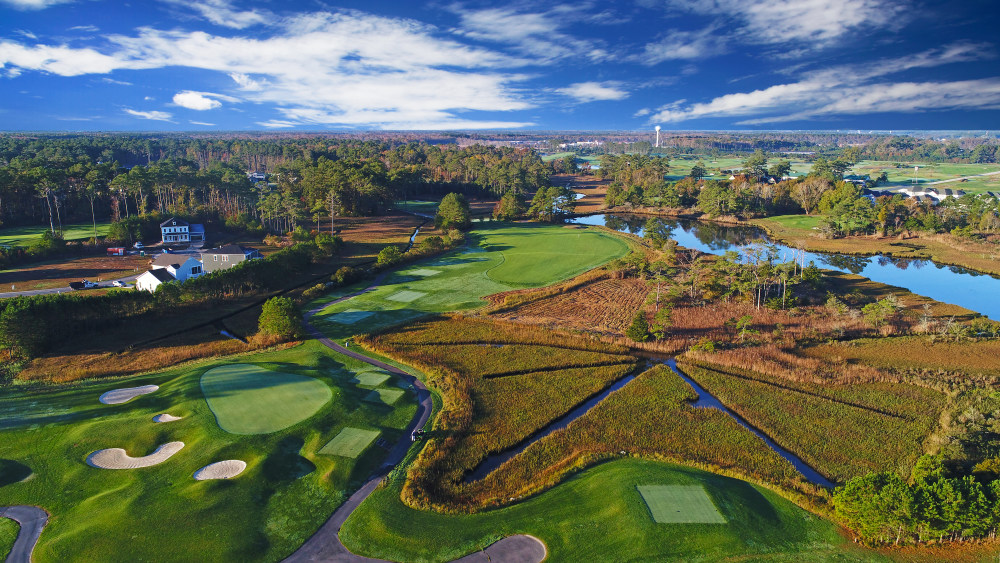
point(314, 291)
point(388, 256)
point(639, 331)
point(280, 317)
point(346, 275)
point(432, 244)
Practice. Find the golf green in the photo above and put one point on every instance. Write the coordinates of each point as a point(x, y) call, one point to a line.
point(680, 504)
point(350, 442)
point(248, 399)
point(538, 259)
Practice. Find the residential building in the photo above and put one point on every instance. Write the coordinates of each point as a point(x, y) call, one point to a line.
point(226, 257)
point(153, 279)
point(181, 266)
point(179, 230)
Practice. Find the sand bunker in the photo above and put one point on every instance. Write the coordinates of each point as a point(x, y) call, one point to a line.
point(117, 458)
point(166, 418)
point(118, 396)
point(220, 470)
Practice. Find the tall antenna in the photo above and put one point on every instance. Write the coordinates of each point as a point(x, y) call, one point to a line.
point(657, 135)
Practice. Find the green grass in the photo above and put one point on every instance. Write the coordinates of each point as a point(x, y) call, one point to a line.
point(160, 513)
point(350, 442)
point(24, 236)
point(599, 516)
point(370, 378)
point(680, 504)
point(384, 396)
point(417, 206)
point(932, 172)
point(801, 222)
point(248, 399)
point(8, 533)
point(497, 259)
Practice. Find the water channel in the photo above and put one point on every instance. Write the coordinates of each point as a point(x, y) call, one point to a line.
point(949, 284)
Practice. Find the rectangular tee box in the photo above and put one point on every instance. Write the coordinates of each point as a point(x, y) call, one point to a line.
point(406, 296)
point(680, 504)
point(350, 442)
point(423, 272)
point(370, 378)
point(350, 316)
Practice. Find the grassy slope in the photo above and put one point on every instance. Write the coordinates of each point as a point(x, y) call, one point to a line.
point(161, 513)
point(8, 533)
point(946, 249)
point(599, 515)
point(24, 236)
point(528, 255)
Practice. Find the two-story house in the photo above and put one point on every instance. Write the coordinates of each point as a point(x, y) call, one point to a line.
point(179, 230)
point(227, 256)
point(181, 266)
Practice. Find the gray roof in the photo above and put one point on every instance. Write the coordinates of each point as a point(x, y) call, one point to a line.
point(162, 274)
point(172, 222)
point(230, 249)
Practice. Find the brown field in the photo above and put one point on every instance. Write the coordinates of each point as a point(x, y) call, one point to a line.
point(604, 305)
point(980, 357)
point(364, 237)
point(592, 187)
point(58, 274)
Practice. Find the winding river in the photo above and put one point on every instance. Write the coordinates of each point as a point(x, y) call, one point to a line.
point(949, 284)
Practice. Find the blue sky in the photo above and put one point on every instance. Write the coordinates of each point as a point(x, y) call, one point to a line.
point(186, 65)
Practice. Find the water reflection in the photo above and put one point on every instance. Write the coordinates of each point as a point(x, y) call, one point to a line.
point(950, 284)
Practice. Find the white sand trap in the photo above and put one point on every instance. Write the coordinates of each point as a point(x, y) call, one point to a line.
point(166, 418)
point(117, 458)
point(118, 396)
point(220, 470)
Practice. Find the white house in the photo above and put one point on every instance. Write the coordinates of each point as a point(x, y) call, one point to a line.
point(152, 279)
point(182, 267)
point(179, 230)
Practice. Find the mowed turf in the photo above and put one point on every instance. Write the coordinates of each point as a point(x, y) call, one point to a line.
point(25, 236)
point(248, 399)
point(680, 504)
point(370, 378)
point(350, 442)
point(597, 515)
point(8, 533)
point(496, 259)
point(384, 396)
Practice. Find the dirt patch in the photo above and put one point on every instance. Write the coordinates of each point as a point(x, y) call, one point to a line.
point(605, 306)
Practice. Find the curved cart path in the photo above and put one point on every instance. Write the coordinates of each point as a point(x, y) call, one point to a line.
point(325, 544)
point(32, 520)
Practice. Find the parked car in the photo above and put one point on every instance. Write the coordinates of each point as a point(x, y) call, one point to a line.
point(138, 246)
point(119, 283)
point(83, 284)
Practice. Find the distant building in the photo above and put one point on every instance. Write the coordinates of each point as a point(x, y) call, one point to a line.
point(181, 266)
point(179, 230)
point(257, 177)
point(227, 256)
point(857, 180)
point(153, 279)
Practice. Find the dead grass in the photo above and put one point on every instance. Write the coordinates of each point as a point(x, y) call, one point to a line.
point(916, 352)
point(58, 274)
point(593, 188)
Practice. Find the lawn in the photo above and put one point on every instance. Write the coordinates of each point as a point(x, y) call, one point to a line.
point(161, 513)
point(8, 533)
point(599, 515)
point(24, 236)
point(496, 259)
point(248, 399)
point(680, 504)
point(350, 442)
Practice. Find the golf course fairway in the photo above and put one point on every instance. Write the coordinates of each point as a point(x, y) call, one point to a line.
point(600, 515)
point(496, 259)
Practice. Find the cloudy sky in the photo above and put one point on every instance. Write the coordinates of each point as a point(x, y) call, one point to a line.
point(347, 65)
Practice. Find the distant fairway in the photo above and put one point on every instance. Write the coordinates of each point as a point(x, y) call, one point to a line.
point(350, 442)
point(680, 504)
point(24, 236)
point(498, 259)
point(248, 399)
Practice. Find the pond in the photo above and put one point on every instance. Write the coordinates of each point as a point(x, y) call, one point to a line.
point(949, 284)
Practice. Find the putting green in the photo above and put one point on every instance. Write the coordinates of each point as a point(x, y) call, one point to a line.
point(370, 378)
point(248, 399)
point(680, 504)
point(384, 396)
point(350, 442)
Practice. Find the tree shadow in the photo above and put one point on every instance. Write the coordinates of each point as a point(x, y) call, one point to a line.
point(13, 472)
point(285, 464)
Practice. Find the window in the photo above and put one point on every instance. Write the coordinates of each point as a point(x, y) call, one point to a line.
point(225, 258)
point(196, 270)
point(216, 257)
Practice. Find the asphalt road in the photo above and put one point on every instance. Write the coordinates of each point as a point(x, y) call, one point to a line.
point(32, 520)
point(325, 544)
point(65, 289)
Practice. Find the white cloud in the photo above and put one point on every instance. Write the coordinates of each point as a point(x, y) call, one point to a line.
point(153, 115)
point(33, 4)
point(809, 23)
point(85, 28)
point(684, 45)
point(339, 69)
point(594, 91)
point(202, 123)
point(118, 82)
point(221, 12)
point(535, 34)
point(201, 101)
point(850, 90)
point(277, 124)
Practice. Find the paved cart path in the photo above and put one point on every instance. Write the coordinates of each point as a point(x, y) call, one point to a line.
point(325, 544)
point(32, 520)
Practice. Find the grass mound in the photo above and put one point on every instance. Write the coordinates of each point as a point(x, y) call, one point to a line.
point(248, 399)
point(598, 516)
point(680, 504)
point(350, 442)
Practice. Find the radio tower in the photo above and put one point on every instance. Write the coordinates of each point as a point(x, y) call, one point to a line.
point(657, 135)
